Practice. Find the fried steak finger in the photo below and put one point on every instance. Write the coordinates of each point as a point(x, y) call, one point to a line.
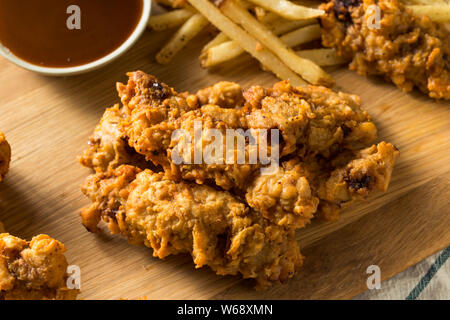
point(409, 50)
point(371, 169)
point(213, 226)
point(223, 94)
point(300, 190)
point(108, 147)
point(34, 270)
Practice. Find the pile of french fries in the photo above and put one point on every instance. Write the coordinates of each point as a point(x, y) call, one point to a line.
point(269, 30)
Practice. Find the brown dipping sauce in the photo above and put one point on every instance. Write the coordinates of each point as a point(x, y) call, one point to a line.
point(36, 30)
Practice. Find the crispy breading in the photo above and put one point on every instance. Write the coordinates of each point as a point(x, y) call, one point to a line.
point(34, 270)
point(302, 189)
point(406, 49)
point(369, 170)
point(316, 123)
point(182, 217)
point(5, 156)
point(312, 120)
point(223, 94)
point(235, 218)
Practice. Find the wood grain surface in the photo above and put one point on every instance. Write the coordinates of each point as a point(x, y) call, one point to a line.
point(48, 121)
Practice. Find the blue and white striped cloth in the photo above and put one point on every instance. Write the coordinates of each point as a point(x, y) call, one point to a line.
point(428, 280)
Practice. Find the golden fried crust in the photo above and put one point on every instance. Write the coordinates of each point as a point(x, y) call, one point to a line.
point(144, 89)
point(211, 225)
point(284, 197)
point(370, 170)
point(5, 156)
point(313, 121)
point(223, 94)
point(185, 209)
point(34, 270)
point(108, 147)
point(408, 50)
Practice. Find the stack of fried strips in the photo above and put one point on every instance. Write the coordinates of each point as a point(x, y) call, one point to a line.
point(230, 217)
point(404, 41)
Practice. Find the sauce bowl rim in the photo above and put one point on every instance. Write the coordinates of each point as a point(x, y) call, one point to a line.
point(96, 64)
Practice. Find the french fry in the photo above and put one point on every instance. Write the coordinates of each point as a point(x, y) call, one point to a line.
point(246, 41)
point(306, 68)
point(219, 39)
point(322, 57)
point(221, 53)
point(438, 12)
point(302, 35)
point(170, 19)
point(231, 49)
point(289, 10)
point(276, 24)
point(188, 30)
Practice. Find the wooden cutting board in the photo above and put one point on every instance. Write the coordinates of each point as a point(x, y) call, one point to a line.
point(48, 122)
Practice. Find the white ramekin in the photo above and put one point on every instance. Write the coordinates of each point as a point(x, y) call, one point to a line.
point(50, 71)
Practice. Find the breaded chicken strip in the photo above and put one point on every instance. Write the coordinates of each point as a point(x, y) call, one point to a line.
point(5, 156)
point(318, 126)
point(181, 217)
point(108, 147)
point(34, 270)
point(370, 170)
point(406, 49)
point(310, 121)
